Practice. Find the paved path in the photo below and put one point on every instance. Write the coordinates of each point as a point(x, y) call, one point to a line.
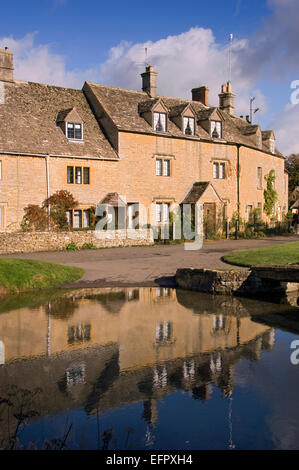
point(147, 266)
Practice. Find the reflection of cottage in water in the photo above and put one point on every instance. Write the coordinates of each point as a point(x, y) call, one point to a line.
point(127, 345)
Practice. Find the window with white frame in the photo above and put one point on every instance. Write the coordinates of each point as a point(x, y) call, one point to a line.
point(166, 168)
point(78, 218)
point(160, 122)
point(188, 125)
point(218, 170)
point(74, 130)
point(159, 162)
point(162, 212)
point(272, 145)
point(163, 331)
point(216, 129)
point(162, 167)
point(218, 322)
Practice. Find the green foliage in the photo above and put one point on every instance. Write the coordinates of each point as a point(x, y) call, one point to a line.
point(270, 255)
point(88, 246)
point(35, 218)
point(292, 167)
point(18, 275)
point(72, 246)
point(270, 195)
point(59, 203)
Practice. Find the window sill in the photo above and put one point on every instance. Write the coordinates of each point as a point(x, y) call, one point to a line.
point(76, 141)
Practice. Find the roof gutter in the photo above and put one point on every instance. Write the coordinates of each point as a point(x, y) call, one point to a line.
point(43, 155)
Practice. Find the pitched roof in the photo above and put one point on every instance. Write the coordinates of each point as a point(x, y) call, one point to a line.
point(124, 108)
point(197, 191)
point(113, 199)
point(28, 122)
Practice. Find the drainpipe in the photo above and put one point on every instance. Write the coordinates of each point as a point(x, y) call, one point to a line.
point(47, 159)
point(238, 192)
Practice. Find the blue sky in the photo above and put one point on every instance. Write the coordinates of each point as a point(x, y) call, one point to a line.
point(66, 42)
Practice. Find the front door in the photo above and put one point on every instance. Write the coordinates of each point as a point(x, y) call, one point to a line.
point(209, 219)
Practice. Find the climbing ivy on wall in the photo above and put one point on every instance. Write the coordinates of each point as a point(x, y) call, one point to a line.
point(270, 195)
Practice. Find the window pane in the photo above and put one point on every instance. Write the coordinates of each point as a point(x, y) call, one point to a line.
point(222, 170)
point(78, 175)
point(86, 175)
point(158, 212)
point(70, 175)
point(86, 218)
point(166, 167)
point(158, 167)
point(78, 131)
point(259, 177)
point(160, 122)
point(69, 218)
point(0, 170)
point(218, 128)
point(70, 130)
point(215, 170)
point(163, 121)
point(77, 219)
point(165, 212)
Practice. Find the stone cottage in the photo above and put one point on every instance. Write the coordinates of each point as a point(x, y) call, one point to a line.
point(104, 143)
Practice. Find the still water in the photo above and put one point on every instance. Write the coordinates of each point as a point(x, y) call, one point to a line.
point(148, 368)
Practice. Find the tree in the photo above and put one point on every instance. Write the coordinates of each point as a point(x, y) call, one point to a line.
point(59, 203)
point(292, 167)
point(35, 218)
point(270, 195)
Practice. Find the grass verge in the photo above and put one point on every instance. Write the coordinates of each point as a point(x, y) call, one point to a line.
point(18, 275)
point(285, 253)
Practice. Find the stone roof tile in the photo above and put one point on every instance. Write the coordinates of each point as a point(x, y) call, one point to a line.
point(28, 122)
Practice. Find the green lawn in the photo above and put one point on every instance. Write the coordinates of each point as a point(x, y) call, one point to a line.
point(270, 255)
point(17, 275)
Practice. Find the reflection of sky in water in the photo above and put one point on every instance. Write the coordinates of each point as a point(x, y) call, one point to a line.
point(150, 368)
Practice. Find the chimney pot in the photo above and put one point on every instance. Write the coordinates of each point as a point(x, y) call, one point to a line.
point(201, 94)
point(6, 65)
point(227, 98)
point(149, 81)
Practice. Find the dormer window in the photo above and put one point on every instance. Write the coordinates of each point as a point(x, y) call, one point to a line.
point(272, 145)
point(160, 122)
point(216, 129)
point(188, 125)
point(74, 131)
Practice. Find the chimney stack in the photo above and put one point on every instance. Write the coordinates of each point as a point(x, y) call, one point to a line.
point(227, 98)
point(6, 65)
point(149, 81)
point(201, 94)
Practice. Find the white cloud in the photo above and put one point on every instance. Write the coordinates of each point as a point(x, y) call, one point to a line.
point(37, 63)
point(183, 62)
point(286, 127)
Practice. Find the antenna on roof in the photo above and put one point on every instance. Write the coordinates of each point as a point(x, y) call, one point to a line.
point(251, 110)
point(230, 57)
point(145, 62)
